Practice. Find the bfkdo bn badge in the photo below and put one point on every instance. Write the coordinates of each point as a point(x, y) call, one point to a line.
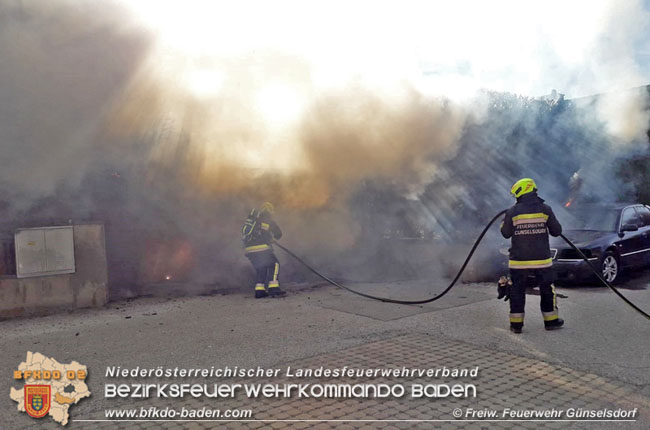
point(37, 400)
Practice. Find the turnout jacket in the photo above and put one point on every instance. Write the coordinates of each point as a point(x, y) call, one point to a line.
point(529, 223)
point(268, 232)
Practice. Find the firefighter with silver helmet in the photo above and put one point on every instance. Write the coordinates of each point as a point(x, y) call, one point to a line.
point(529, 223)
point(258, 234)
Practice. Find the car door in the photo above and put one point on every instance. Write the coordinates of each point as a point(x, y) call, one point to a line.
point(644, 215)
point(632, 244)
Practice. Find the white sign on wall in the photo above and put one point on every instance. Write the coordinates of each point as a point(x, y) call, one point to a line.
point(44, 251)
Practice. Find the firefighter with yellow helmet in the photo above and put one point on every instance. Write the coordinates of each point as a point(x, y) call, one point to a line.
point(529, 223)
point(258, 233)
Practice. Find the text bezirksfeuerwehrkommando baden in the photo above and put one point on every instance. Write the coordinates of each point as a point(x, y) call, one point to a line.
point(318, 390)
point(289, 372)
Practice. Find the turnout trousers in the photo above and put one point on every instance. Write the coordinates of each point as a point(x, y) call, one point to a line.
point(267, 269)
point(530, 278)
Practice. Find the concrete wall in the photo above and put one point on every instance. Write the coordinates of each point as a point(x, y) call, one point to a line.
point(87, 287)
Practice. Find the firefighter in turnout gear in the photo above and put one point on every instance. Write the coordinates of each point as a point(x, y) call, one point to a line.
point(258, 233)
point(529, 223)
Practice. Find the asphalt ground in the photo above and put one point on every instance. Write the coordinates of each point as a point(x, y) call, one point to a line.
point(602, 352)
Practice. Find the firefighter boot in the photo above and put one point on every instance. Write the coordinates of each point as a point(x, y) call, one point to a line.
point(260, 291)
point(274, 289)
point(554, 324)
point(516, 322)
point(276, 292)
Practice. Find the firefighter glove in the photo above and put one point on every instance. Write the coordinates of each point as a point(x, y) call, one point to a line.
point(503, 288)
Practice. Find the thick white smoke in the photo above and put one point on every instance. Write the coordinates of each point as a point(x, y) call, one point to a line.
point(168, 119)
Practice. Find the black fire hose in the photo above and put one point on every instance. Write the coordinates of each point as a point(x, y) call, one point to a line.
point(459, 274)
point(401, 302)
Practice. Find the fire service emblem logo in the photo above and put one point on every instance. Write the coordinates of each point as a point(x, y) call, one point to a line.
point(37, 400)
point(50, 388)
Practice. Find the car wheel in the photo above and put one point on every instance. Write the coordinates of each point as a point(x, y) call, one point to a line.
point(610, 269)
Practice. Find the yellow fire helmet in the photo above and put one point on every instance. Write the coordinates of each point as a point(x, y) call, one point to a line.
point(267, 207)
point(523, 186)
